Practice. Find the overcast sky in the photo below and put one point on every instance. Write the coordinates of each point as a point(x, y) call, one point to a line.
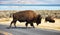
point(29, 1)
point(49, 2)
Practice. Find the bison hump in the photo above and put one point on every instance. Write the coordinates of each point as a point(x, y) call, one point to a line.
point(25, 15)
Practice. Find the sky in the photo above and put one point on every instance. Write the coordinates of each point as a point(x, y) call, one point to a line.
point(11, 5)
point(29, 1)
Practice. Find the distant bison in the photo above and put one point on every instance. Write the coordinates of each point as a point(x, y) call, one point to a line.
point(27, 16)
point(50, 19)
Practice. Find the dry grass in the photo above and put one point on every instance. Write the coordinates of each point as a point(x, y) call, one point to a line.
point(43, 25)
point(55, 26)
point(4, 19)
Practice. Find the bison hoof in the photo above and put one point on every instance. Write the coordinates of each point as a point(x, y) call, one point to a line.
point(26, 27)
point(9, 26)
point(33, 27)
point(15, 27)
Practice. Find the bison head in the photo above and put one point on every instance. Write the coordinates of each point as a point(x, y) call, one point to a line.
point(38, 21)
point(50, 19)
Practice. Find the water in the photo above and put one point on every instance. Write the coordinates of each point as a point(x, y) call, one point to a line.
point(29, 7)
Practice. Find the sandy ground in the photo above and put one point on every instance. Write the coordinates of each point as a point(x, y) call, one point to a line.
point(43, 25)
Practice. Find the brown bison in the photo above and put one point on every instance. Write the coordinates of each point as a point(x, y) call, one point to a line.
point(50, 19)
point(27, 16)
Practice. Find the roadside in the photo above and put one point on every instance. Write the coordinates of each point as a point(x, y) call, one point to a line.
point(43, 25)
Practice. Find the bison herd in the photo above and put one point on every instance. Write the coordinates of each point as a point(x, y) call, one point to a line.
point(29, 17)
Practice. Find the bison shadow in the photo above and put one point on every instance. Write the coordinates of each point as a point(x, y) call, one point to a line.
point(19, 27)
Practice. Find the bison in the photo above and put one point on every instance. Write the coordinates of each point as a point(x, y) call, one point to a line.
point(49, 19)
point(27, 16)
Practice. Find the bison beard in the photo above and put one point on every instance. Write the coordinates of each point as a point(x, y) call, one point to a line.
point(27, 16)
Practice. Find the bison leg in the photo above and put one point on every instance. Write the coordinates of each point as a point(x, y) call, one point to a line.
point(46, 20)
point(32, 25)
point(26, 24)
point(15, 23)
point(11, 23)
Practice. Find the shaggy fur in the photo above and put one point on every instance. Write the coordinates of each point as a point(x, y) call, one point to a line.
point(27, 16)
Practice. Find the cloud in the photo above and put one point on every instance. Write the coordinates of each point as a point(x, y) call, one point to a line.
point(50, 1)
point(29, 1)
